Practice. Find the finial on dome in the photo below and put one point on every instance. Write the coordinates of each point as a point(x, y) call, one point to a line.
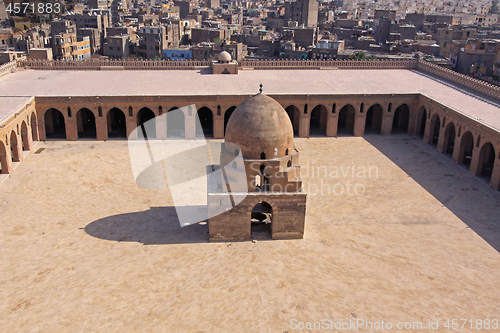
point(260, 89)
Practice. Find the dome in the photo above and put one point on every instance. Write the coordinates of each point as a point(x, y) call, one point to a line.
point(224, 56)
point(261, 128)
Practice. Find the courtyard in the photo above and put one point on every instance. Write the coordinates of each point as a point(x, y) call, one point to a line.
point(414, 238)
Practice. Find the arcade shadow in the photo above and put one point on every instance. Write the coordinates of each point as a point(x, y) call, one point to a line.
point(468, 197)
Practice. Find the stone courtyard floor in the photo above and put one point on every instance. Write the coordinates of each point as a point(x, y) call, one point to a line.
point(82, 248)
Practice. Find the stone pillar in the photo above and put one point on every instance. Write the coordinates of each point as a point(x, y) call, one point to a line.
point(474, 164)
point(332, 123)
point(386, 124)
point(442, 145)
point(41, 130)
point(218, 127)
point(459, 151)
point(413, 122)
point(108, 120)
point(427, 133)
point(131, 126)
point(35, 130)
point(101, 128)
point(359, 124)
point(18, 148)
point(190, 123)
point(29, 144)
point(71, 129)
point(6, 160)
point(495, 176)
point(161, 127)
point(304, 126)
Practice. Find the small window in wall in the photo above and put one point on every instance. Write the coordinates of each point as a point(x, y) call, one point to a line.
point(361, 109)
point(130, 111)
point(478, 141)
point(305, 109)
point(334, 108)
point(258, 181)
point(218, 110)
point(69, 112)
point(100, 111)
point(263, 156)
point(289, 163)
point(286, 151)
point(389, 109)
point(160, 110)
point(262, 169)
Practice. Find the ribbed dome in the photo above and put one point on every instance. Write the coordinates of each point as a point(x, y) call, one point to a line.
point(224, 56)
point(260, 125)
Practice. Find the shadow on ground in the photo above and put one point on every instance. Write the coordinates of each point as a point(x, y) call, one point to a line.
point(466, 196)
point(158, 225)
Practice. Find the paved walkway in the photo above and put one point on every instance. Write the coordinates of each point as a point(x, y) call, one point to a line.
point(84, 249)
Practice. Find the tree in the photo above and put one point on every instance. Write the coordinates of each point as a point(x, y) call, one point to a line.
point(360, 55)
point(494, 7)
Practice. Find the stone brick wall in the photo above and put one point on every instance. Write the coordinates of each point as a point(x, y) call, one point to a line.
point(288, 216)
point(107, 64)
point(8, 68)
point(461, 79)
point(338, 64)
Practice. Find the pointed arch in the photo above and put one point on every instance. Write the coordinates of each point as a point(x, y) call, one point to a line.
point(374, 119)
point(14, 147)
point(487, 157)
point(146, 124)
point(421, 121)
point(449, 138)
point(261, 220)
point(294, 115)
point(85, 123)
point(466, 148)
point(318, 120)
point(4, 164)
point(55, 124)
point(401, 119)
point(117, 123)
point(25, 136)
point(435, 128)
point(346, 119)
point(176, 123)
point(227, 115)
point(34, 127)
point(205, 127)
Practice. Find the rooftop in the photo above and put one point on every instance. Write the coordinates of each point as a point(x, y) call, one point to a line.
point(189, 82)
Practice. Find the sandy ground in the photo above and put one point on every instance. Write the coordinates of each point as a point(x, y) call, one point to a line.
point(82, 248)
